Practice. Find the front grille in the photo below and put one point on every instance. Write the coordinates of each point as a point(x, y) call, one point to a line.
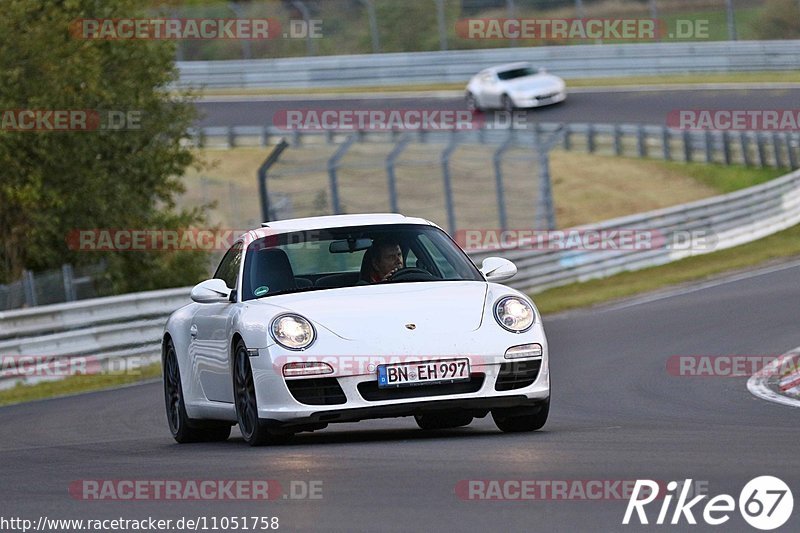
point(317, 391)
point(369, 389)
point(546, 96)
point(517, 375)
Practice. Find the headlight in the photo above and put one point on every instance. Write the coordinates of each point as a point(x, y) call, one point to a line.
point(514, 314)
point(292, 332)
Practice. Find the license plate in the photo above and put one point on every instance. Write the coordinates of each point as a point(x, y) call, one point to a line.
point(423, 373)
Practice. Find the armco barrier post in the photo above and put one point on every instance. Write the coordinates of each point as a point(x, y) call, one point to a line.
point(69, 285)
point(776, 149)
point(617, 140)
point(641, 141)
point(709, 145)
point(790, 151)
point(726, 147)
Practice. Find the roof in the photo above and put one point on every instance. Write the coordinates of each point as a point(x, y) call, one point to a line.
point(508, 66)
point(335, 221)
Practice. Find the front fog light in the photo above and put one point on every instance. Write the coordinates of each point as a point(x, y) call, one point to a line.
point(307, 368)
point(524, 350)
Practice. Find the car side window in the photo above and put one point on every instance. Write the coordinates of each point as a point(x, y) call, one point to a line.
point(228, 269)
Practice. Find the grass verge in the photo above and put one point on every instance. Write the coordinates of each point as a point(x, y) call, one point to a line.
point(75, 384)
point(783, 244)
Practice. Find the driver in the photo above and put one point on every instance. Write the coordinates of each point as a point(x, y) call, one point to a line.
point(385, 258)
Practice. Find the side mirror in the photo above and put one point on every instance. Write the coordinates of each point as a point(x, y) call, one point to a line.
point(211, 291)
point(498, 269)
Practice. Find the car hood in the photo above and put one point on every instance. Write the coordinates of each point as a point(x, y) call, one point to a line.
point(442, 308)
point(538, 82)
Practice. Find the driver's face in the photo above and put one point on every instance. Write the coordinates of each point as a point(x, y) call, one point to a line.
point(390, 258)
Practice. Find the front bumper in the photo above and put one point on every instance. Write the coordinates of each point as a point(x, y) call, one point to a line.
point(349, 398)
point(540, 100)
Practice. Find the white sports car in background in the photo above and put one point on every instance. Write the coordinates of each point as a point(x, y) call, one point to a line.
point(296, 331)
point(515, 85)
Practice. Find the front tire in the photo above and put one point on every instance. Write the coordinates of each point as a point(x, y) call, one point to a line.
point(516, 421)
point(508, 104)
point(254, 430)
point(442, 420)
point(472, 103)
point(183, 428)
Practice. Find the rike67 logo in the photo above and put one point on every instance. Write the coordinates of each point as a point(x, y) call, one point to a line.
point(765, 503)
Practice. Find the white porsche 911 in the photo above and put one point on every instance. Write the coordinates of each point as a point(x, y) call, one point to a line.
point(344, 318)
point(512, 86)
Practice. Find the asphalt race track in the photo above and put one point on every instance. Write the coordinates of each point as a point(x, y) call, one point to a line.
point(617, 415)
point(602, 106)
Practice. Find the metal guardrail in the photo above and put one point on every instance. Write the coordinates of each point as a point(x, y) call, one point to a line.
point(130, 326)
point(457, 66)
point(107, 331)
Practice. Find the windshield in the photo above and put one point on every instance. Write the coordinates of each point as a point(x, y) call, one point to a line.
point(346, 257)
point(516, 73)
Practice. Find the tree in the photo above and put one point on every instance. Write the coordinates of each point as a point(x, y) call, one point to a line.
point(56, 181)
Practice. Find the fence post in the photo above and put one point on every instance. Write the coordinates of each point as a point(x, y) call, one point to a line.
point(262, 177)
point(497, 160)
point(731, 20)
point(745, 153)
point(567, 141)
point(776, 147)
point(665, 143)
point(373, 27)
point(790, 151)
point(29, 287)
point(687, 146)
point(333, 165)
point(709, 147)
point(300, 6)
point(68, 276)
point(654, 16)
point(617, 140)
point(545, 214)
point(511, 12)
point(390, 175)
point(590, 144)
point(726, 147)
point(761, 149)
point(442, 24)
point(448, 189)
point(641, 141)
point(231, 137)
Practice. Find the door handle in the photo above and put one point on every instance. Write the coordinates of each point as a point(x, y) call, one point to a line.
point(193, 330)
